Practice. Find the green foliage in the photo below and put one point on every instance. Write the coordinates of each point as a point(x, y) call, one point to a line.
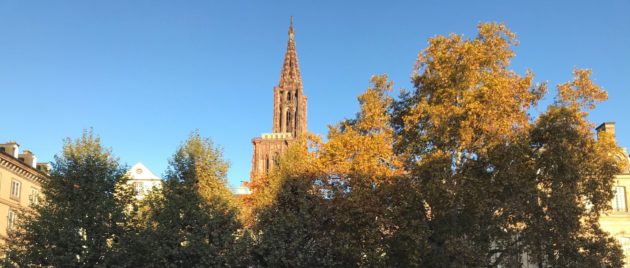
point(192, 221)
point(573, 186)
point(82, 217)
point(295, 230)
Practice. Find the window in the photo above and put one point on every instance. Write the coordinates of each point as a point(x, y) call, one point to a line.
point(137, 188)
point(625, 246)
point(15, 189)
point(619, 201)
point(34, 196)
point(11, 218)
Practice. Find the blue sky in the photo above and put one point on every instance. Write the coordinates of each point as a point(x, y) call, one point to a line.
point(144, 74)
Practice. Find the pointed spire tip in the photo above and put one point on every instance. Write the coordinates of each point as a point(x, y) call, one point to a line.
point(291, 28)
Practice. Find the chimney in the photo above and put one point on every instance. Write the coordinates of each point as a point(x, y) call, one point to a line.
point(11, 148)
point(44, 167)
point(606, 127)
point(28, 158)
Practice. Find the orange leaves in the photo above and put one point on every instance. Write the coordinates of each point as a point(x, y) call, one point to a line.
point(363, 147)
point(581, 93)
point(466, 97)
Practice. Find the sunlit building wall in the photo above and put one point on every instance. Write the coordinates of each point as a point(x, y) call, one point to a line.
point(617, 221)
point(20, 183)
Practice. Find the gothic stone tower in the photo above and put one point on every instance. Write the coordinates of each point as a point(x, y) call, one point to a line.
point(289, 114)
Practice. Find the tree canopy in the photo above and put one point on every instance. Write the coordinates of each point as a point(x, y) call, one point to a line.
point(193, 220)
point(466, 169)
point(82, 216)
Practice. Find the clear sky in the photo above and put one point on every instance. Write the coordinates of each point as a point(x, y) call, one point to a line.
point(144, 74)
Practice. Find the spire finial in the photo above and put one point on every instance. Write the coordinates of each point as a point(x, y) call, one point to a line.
point(291, 28)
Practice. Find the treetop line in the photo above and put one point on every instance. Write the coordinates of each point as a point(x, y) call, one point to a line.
point(454, 173)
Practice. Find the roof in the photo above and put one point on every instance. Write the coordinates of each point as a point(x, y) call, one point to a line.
point(140, 172)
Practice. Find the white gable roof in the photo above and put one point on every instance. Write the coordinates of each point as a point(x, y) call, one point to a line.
point(140, 172)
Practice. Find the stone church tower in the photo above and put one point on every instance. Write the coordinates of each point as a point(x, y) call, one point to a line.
point(289, 114)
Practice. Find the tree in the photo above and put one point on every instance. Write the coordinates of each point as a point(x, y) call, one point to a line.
point(574, 179)
point(363, 172)
point(491, 182)
point(83, 214)
point(193, 220)
point(291, 221)
point(329, 204)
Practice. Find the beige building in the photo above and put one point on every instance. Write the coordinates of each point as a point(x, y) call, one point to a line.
point(20, 183)
point(617, 221)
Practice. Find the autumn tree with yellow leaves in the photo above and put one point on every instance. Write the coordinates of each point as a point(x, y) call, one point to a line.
point(494, 181)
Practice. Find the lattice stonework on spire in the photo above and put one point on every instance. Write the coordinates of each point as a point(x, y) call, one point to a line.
point(289, 107)
point(290, 75)
point(289, 113)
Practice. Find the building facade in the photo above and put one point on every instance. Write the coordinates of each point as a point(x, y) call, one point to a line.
point(21, 178)
point(617, 221)
point(289, 114)
point(142, 180)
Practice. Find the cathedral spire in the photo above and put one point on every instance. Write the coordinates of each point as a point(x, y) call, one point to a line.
point(289, 114)
point(290, 77)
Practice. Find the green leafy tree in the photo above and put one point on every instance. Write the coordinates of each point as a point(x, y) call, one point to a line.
point(291, 221)
point(193, 221)
point(83, 214)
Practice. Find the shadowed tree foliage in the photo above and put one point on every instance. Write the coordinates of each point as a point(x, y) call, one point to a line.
point(291, 219)
point(362, 172)
point(82, 217)
point(574, 177)
point(193, 221)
